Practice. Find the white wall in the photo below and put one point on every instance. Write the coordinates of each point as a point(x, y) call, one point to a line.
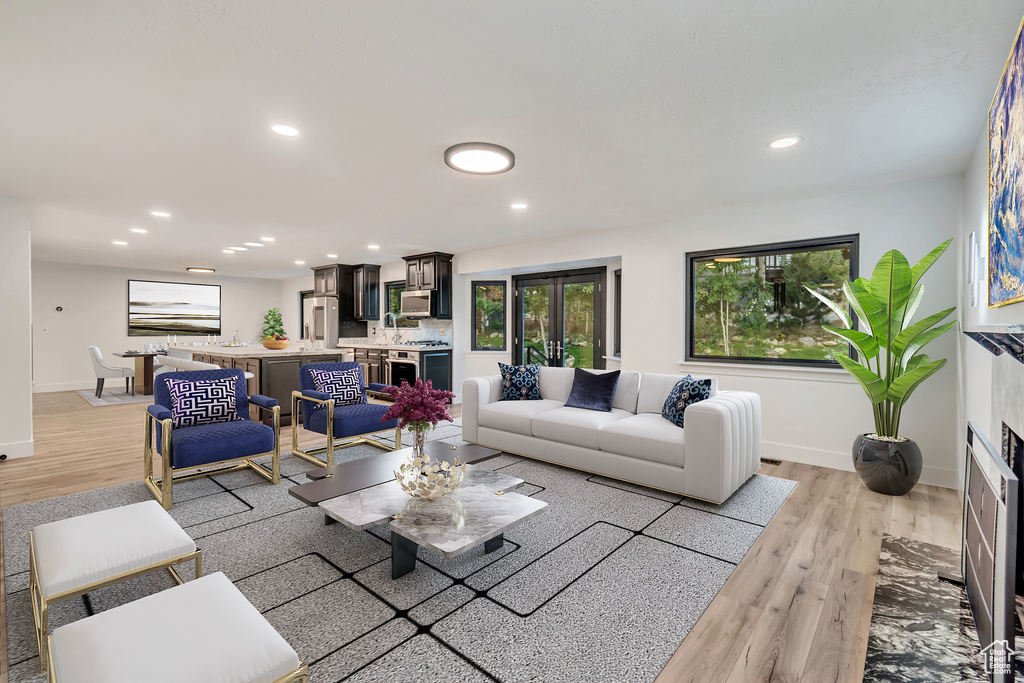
point(94, 300)
point(809, 415)
point(16, 313)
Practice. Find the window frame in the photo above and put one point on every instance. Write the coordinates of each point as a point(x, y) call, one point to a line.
point(617, 332)
point(852, 241)
point(400, 322)
point(504, 314)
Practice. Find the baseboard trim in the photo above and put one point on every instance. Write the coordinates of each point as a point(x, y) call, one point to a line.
point(18, 449)
point(65, 386)
point(934, 476)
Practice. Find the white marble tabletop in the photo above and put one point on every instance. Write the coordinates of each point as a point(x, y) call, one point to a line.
point(451, 525)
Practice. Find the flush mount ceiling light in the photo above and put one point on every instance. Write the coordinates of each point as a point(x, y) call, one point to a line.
point(479, 158)
point(373, 246)
point(519, 205)
point(238, 249)
point(254, 244)
point(201, 270)
point(120, 243)
point(783, 143)
point(160, 214)
point(139, 230)
point(282, 129)
point(332, 256)
point(266, 239)
point(300, 263)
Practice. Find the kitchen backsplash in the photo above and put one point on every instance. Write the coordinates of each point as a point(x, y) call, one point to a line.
point(430, 328)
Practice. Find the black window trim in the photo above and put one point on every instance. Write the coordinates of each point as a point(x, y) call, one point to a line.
point(852, 240)
point(617, 304)
point(504, 314)
point(406, 322)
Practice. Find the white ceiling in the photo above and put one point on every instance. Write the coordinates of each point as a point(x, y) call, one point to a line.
point(620, 113)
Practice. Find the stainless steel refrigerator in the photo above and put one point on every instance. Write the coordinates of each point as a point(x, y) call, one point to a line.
point(321, 321)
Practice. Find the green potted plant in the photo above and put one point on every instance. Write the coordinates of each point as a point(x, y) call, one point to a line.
point(273, 331)
point(889, 365)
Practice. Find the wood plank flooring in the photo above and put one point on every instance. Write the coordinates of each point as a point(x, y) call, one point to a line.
point(797, 608)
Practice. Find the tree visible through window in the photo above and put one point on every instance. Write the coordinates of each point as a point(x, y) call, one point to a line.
point(752, 304)
point(489, 316)
point(394, 304)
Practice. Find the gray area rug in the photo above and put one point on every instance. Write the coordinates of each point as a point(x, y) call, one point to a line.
point(113, 397)
point(602, 587)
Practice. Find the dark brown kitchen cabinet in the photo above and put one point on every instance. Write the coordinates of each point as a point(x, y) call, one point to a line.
point(366, 291)
point(433, 272)
point(325, 280)
point(279, 377)
point(252, 386)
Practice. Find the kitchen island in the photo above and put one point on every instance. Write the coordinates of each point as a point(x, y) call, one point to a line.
point(276, 372)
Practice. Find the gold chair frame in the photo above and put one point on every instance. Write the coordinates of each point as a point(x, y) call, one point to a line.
point(162, 489)
point(41, 604)
point(309, 454)
point(300, 675)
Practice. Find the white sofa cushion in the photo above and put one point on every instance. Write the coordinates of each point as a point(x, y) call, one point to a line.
point(202, 630)
point(78, 551)
point(575, 426)
point(515, 416)
point(556, 384)
point(647, 436)
point(654, 389)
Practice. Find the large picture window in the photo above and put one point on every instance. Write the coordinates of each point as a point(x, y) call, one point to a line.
point(751, 305)
point(393, 291)
point(489, 316)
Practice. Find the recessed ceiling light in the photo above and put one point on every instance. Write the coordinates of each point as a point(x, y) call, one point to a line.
point(282, 129)
point(728, 259)
point(227, 251)
point(238, 249)
point(783, 143)
point(120, 243)
point(373, 246)
point(481, 158)
point(332, 256)
point(300, 263)
point(267, 239)
point(254, 244)
point(139, 230)
point(160, 214)
point(519, 205)
point(201, 270)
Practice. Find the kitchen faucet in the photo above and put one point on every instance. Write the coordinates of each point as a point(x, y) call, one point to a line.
point(394, 323)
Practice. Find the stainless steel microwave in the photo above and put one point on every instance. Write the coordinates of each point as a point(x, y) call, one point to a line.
point(417, 304)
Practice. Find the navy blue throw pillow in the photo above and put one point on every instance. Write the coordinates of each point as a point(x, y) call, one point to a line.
point(519, 382)
point(593, 391)
point(686, 392)
point(203, 402)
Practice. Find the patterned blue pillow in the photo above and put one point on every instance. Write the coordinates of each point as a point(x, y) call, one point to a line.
point(686, 392)
point(344, 386)
point(202, 402)
point(519, 382)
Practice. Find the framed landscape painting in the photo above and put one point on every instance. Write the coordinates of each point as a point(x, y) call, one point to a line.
point(1006, 184)
point(162, 308)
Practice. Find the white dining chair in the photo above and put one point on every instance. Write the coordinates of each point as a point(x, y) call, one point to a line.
point(103, 371)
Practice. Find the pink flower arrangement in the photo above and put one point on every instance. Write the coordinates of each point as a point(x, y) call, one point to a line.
point(418, 407)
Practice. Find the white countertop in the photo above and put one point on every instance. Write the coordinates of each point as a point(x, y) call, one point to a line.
point(294, 349)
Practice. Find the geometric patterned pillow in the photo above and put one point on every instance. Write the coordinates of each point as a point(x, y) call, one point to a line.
point(344, 386)
point(686, 392)
point(520, 382)
point(202, 402)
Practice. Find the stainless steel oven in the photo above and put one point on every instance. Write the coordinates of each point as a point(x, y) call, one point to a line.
point(402, 366)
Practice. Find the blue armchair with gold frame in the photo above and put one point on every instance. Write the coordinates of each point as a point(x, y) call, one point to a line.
point(189, 452)
point(343, 426)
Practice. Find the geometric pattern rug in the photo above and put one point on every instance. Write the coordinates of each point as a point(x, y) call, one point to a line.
point(603, 586)
point(113, 397)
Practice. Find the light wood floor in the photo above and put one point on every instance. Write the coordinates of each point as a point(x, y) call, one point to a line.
point(797, 608)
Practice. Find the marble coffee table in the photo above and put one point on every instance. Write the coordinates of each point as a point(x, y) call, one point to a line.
point(479, 511)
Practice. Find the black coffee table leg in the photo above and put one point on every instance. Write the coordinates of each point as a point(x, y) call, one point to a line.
point(494, 544)
point(328, 520)
point(403, 555)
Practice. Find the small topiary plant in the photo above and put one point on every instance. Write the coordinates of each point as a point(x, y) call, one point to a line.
point(272, 327)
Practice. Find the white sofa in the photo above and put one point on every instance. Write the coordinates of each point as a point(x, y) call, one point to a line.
point(719, 449)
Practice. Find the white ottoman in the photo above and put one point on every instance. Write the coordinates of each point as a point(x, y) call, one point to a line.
point(73, 556)
point(204, 631)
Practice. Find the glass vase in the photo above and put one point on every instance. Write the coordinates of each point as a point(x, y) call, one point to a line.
point(419, 440)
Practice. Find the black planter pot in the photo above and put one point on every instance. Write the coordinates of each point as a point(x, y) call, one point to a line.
point(888, 467)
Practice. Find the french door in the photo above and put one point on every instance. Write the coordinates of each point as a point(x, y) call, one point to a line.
point(560, 319)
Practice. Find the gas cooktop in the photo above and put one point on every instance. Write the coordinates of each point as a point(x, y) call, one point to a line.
point(424, 342)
